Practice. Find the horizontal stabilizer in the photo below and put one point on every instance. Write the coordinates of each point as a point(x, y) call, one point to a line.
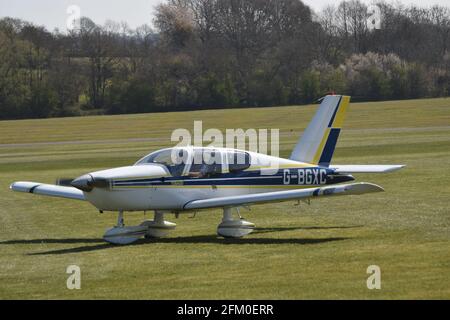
point(376, 168)
point(48, 190)
point(279, 196)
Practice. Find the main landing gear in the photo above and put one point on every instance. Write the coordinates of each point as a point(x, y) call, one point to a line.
point(156, 228)
point(234, 228)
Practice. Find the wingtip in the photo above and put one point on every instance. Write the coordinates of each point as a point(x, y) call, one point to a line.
point(398, 167)
point(379, 188)
point(22, 186)
point(367, 187)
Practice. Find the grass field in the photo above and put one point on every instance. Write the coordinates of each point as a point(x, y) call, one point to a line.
point(316, 251)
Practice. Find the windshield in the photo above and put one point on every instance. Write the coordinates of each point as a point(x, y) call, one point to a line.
point(172, 159)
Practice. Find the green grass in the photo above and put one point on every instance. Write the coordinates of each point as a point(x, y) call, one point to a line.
point(316, 251)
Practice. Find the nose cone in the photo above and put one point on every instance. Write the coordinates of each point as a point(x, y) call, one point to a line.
point(84, 183)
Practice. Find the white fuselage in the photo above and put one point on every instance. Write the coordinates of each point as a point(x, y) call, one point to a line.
point(151, 186)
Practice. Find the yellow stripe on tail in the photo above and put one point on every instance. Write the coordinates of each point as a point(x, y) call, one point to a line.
point(319, 139)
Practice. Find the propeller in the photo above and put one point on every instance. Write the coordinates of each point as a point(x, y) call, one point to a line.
point(64, 182)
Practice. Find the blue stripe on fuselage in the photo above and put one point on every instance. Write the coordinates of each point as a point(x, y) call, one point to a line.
point(292, 176)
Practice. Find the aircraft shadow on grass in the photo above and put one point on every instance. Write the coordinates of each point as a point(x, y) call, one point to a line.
point(213, 239)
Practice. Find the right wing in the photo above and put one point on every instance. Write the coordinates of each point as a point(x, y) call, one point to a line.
point(48, 190)
point(279, 196)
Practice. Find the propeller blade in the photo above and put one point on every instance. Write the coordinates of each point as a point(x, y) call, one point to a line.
point(65, 182)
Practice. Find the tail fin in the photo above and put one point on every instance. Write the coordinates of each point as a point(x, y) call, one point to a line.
point(318, 142)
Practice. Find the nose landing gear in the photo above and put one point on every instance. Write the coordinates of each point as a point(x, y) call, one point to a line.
point(155, 228)
point(234, 228)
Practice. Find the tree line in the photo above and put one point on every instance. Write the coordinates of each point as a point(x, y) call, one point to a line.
point(224, 53)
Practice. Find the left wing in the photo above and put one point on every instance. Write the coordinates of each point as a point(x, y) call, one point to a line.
point(48, 190)
point(279, 196)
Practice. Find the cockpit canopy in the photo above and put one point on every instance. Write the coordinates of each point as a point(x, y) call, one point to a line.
point(199, 162)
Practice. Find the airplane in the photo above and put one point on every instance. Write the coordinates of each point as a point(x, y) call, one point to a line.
point(184, 179)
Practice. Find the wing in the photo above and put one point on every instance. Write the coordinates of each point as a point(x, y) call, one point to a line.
point(376, 168)
point(48, 190)
point(279, 196)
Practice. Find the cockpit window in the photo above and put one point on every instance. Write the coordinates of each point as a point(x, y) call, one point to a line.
point(202, 162)
point(172, 159)
point(205, 163)
point(238, 161)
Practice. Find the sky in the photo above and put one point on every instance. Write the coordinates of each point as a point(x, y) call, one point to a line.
point(53, 13)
